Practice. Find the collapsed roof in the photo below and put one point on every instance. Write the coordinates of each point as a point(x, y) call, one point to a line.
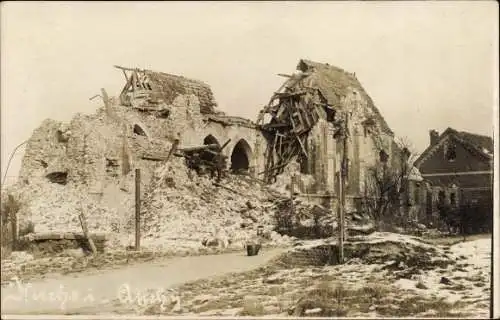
point(316, 91)
point(150, 87)
point(334, 83)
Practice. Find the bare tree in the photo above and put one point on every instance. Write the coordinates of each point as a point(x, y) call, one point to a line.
point(387, 182)
point(404, 143)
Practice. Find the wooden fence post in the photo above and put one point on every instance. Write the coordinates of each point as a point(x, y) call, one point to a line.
point(137, 208)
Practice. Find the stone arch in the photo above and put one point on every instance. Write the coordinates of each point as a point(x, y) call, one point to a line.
point(241, 156)
point(139, 130)
point(210, 139)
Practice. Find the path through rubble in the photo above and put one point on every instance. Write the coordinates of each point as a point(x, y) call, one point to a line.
point(70, 294)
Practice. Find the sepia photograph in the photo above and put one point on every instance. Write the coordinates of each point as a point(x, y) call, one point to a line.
point(277, 159)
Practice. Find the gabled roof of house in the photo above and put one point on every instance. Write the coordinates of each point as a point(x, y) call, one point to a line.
point(483, 142)
point(334, 83)
point(482, 145)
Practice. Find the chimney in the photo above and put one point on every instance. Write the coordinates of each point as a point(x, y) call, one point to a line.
point(434, 135)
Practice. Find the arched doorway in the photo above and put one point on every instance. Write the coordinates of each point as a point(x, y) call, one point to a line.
point(240, 157)
point(210, 139)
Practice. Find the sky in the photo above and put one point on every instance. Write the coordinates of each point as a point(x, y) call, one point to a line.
point(426, 65)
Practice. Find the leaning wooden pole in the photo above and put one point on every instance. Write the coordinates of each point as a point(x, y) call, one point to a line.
point(137, 209)
point(83, 222)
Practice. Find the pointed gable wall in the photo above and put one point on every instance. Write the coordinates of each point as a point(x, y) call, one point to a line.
point(466, 160)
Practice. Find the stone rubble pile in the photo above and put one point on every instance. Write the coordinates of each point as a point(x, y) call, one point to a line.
point(87, 165)
point(187, 209)
point(179, 208)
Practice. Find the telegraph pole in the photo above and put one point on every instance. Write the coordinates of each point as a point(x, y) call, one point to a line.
point(342, 190)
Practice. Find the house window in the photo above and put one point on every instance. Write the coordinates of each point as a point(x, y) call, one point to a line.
point(451, 153)
point(429, 203)
point(453, 199)
point(416, 193)
point(441, 197)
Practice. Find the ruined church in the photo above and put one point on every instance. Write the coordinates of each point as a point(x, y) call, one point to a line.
point(295, 133)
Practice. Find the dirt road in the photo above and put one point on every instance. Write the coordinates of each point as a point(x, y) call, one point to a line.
point(71, 294)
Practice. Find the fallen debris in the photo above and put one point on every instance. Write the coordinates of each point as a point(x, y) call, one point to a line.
point(207, 158)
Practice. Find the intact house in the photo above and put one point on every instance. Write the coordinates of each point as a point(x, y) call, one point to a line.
point(457, 167)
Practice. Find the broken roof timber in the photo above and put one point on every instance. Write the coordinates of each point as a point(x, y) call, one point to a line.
point(167, 87)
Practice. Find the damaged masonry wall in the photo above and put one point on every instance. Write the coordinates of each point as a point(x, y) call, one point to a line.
point(151, 91)
point(328, 92)
point(87, 164)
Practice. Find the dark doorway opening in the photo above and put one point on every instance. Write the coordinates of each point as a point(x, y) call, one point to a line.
point(240, 157)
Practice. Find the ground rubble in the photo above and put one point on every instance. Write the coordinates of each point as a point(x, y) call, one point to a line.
point(373, 285)
point(85, 166)
point(182, 214)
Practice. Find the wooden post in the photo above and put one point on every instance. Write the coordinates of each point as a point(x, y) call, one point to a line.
point(292, 205)
point(83, 222)
point(343, 177)
point(173, 149)
point(137, 208)
point(340, 215)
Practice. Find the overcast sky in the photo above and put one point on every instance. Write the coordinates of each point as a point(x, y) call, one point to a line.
point(426, 65)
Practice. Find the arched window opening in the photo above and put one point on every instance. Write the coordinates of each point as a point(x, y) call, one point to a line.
point(451, 153)
point(210, 139)
point(383, 156)
point(207, 156)
point(139, 130)
point(58, 177)
point(304, 164)
point(240, 157)
point(304, 161)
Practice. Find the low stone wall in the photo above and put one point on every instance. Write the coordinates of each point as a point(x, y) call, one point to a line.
point(55, 243)
point(321, 255)
point(400, 253)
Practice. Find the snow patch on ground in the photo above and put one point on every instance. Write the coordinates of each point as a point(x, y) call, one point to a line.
point(469, 278)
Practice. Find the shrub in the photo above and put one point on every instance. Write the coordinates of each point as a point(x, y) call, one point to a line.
point(9, 209)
